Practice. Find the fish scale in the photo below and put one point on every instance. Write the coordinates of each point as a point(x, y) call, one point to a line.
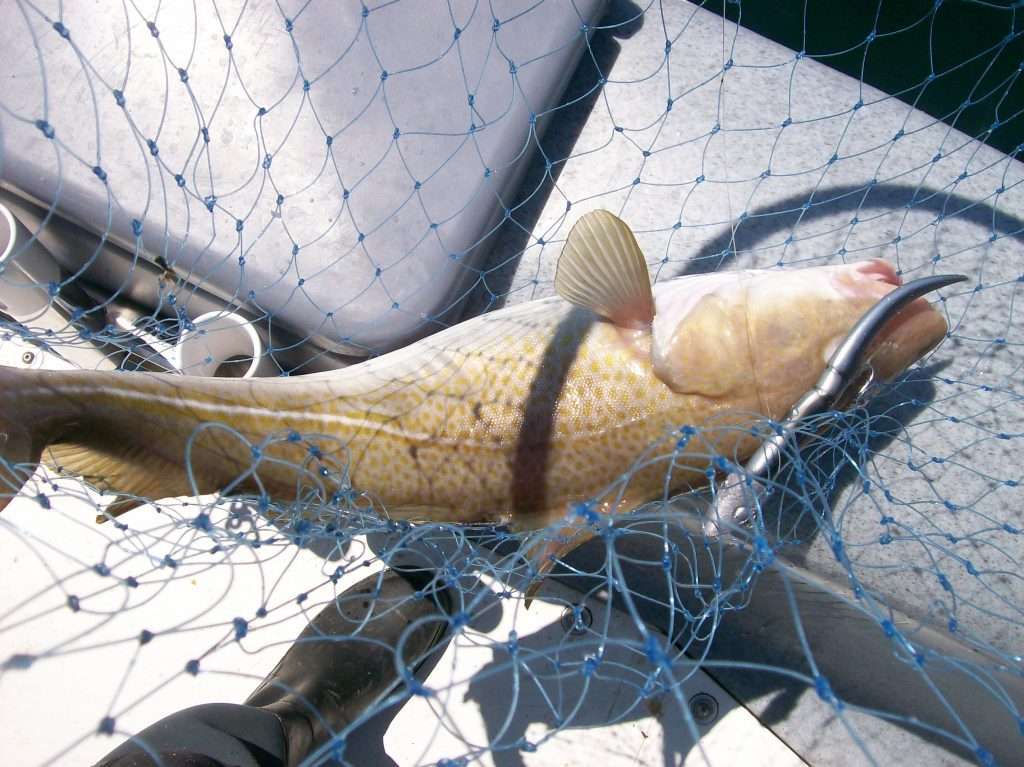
point(445, 438)
point(510, 417)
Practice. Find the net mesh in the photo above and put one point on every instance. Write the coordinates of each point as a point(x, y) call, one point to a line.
point(272, 189)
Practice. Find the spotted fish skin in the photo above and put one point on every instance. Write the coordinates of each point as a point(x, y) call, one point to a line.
point(509, 417)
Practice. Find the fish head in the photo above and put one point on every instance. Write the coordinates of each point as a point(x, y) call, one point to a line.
point(762, 338)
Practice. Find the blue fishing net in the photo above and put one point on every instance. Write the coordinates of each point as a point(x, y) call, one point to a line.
point(261, 189)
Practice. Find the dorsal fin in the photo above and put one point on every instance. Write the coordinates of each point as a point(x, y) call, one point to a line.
point(603, 269)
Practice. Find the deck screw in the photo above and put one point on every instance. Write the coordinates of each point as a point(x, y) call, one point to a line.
point(704, 708)
point(576, 620)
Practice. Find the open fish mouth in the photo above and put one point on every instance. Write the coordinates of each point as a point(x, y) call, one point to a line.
point(917, 329)
point(877, 278)
point(909, 335)
point(867, 279)
point(880, 271)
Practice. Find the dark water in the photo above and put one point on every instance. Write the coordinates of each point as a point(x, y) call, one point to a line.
point(974, 50)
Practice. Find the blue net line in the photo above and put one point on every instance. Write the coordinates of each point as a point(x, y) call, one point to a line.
point(655, 125)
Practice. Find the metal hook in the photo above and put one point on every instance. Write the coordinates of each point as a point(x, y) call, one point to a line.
point(858, 387)
point(741, 491)
point(848, 356)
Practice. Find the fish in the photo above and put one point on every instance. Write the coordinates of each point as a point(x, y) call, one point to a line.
point(515, 417)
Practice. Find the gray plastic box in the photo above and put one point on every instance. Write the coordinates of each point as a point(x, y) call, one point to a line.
point(336, 167)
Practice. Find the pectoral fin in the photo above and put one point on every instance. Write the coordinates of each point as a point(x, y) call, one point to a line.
point(603, 269)
point(128, 470)
point(549, 549)
point(555, 543)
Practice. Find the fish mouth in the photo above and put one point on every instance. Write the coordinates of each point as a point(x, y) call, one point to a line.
point(918, 314)
point(866, 280)
point(907, 337)
point(875, 279)
point(879, 270)
point(914, 331)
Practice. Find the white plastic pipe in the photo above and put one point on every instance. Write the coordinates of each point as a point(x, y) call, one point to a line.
point(26, 271)
point(219, 344)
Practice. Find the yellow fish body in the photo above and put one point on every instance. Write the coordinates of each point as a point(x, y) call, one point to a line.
point(509, 417)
